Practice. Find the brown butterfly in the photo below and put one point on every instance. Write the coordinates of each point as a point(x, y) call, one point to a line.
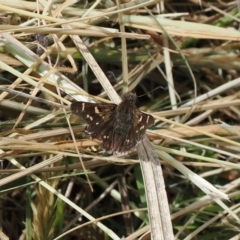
point(119, 127)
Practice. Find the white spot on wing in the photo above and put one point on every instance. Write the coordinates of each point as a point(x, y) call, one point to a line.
point(140, 119)
point(96, 110)
point(88, 116)
point(147, 118)
point(83, 106)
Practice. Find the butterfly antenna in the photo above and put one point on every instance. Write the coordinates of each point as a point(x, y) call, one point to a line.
point(164, 88)
point(112, 75)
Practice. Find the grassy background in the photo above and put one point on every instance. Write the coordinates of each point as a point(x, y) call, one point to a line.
point(189, 49)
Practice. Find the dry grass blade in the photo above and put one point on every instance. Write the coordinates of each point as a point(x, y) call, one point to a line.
point(30, 170)
point(52, 51)
point(180, 28)
point(160, 221)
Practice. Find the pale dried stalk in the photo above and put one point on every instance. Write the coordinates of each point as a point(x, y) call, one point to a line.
point(161, 225)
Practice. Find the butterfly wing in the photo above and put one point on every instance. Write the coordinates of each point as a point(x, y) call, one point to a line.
point(123, 143)
point(97, 115)
point(142, 122)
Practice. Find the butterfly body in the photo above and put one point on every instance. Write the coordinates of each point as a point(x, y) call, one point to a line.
point(119, 127)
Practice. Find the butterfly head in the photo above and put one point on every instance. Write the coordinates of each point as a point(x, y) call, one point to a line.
point(131, 98)
point(124, 111)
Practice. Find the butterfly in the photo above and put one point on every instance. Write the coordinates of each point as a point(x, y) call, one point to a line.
point(119, 127)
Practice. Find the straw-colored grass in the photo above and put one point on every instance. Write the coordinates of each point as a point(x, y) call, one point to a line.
point(56, 182)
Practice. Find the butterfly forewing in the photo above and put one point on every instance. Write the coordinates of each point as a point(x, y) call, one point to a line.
point(93, 113)
point(142, 122)
point(134, 134)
